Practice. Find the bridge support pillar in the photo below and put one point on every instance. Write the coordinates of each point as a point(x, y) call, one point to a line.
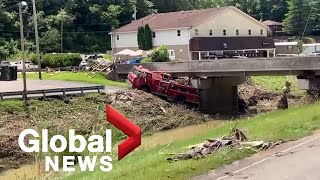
point(312, 85)
point(218, 95)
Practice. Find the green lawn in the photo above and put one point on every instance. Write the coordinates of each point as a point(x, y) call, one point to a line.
point(80, 77)
point(276, 83)
point(149, 164)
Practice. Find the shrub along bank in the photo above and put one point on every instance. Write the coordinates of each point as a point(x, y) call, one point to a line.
point(58, 60)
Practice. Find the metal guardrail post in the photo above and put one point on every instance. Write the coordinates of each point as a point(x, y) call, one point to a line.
point(64, 92)
point(44, 94)
point(1, 96)
point(99, 89)
point(81, 89)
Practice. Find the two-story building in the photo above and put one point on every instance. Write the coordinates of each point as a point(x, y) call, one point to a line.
point(275, 28)
point(200, 34)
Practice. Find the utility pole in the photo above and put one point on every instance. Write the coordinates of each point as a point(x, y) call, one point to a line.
point(261, 16)
point(35, 20)
point(24, 93)
point(134, 15)
point(306, 26)
point(62, 33)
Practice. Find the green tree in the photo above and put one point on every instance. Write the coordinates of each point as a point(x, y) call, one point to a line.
point(50, 41)
point(297, 17)
point(148, 38)
point(160, 54)
point(4, 53)
point(140, 36)
point(144, 8)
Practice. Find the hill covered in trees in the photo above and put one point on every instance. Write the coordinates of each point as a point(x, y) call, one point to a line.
point(86, 23)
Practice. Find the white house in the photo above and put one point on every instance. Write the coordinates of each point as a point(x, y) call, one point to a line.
point(198, 34)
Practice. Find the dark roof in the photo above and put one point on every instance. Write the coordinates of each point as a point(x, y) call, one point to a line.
point(230, 43)
point(271, 23)
point(173, 19)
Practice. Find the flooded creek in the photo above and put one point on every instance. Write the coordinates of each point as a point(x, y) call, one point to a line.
point(166, 137)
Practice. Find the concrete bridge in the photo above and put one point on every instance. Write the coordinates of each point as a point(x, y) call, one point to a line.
point(218, 79)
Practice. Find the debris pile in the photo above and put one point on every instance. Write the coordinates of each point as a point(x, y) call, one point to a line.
point(255, 96)
point(150, 112)
point(183, 80)
point(236, 139)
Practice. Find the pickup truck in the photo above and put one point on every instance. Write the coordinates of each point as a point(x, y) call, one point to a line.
point(162, 84)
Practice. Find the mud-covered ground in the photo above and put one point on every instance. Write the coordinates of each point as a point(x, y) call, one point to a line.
point(87, 115)
point(11, 157)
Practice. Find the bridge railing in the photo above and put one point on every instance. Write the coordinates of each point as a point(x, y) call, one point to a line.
point(51, 92)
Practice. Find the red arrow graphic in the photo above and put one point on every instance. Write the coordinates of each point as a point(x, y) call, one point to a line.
point(127, 127)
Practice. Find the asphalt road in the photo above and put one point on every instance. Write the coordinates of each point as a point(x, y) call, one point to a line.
point(13, 86)
point(299, 160)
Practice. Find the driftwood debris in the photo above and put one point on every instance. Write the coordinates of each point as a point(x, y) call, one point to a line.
point(212, 145)
point(236, 139)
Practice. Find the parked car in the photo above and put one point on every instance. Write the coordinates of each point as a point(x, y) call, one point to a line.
point(94, 57)
point(26, 63)
point(134, 61)
point(83, 63)
point(239, 57)
point(287, 55)
point(315, 53)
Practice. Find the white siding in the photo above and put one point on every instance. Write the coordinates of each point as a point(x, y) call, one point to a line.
point(230, 20)
point(126, 40)
point(170, 37)
point(163, 37)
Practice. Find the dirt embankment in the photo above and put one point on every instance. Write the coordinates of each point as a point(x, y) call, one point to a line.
point(259, 100)
point(11, 156)
point(87, 115)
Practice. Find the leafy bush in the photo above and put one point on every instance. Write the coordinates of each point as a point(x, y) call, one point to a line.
point(33, 58)
point(160, 54)
point(146, 60)
point(107, 57)
point(57, 60)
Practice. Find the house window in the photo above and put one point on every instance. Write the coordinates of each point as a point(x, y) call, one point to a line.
point(210, 32)
point(224, 32)
point(261, 32)
point(249, 32)
point(237, 32)
point(196, 32)
point(179, 33)
point(118, 37)
point(153, 34)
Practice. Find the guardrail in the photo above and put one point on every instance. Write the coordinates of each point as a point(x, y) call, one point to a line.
point(51, 92)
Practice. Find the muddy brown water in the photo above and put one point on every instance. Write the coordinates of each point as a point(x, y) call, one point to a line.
point(148, 142)
point(165, 137)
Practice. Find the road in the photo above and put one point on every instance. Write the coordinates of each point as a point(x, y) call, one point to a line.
point(299, 160)
point(32, 85)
